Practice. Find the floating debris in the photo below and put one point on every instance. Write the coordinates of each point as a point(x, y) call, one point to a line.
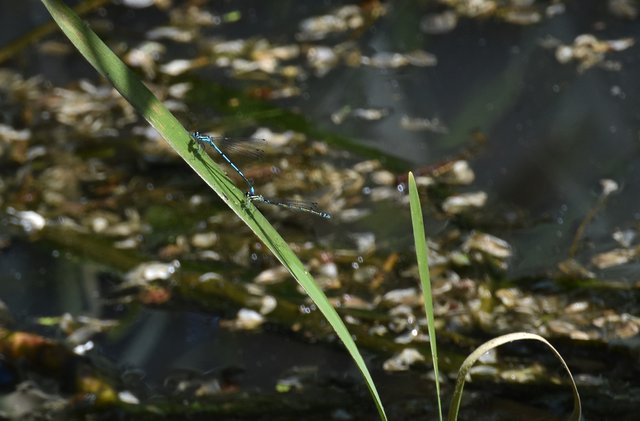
point(588, 51)
point(295, 379)
point(473, 8)
point(575, 270)
point(177, 67)
point(145, 273)
point(146, 57)
point(425, 181)
point(626, 9)
point(384, 193)
point(272, 276)
point(8, 134)
point(229, 48)
point(577, 307)
point(522, 16)
point(523, 374)
point(488, 244)
point(623, 325)
point(345, 18)
point(241, 65)
point(608, 186)
point(171, 33)
point(386, 60)
point(26, 400)
point(555, 9)
point(284, 92)
point(404, 360)
point(210, 276)
point(370, 113)
point(322, 59)
point(60, 184)
point(138, 4)
point(482, 371)
point(366, 167)
point(128, 243)
point(407, 296)
point(365, 274)
point(204, 240)
point(624, 237)
point(112, 225)
point(274, 139)
point(365, 242)
point(463, 202)
point(79, 329)
point(378, 330)
point(268, 304)
point(280, 52)
point(439, 23)
point(519, 12)
point(412, 335)
point(352, 301)
point(30, 221)
point(384, 178)
point(460, 173)
point(328, 269)
point(509, 297)
point(423, 124)
point(613, 258)
point(246, 319)
point(128, 397)
point(489, 357)
point(88, 109)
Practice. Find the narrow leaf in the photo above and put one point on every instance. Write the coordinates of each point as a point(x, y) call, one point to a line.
point(494, 343)
point(132, 89)
point(423, 269)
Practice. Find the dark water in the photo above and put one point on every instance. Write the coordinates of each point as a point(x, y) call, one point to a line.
point(155, 341)
point(552, 135)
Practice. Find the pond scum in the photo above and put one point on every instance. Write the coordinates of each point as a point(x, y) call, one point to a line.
point(386, 319)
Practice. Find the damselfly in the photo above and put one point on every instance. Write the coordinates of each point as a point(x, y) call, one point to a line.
point(220, 144)
point(291, 204)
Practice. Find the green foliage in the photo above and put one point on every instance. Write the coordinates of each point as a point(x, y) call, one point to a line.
point(423, 269)
point(137, 94)
point(425, 281)
point(494, 343)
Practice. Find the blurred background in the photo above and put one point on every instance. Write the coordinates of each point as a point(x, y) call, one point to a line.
point(517, 117)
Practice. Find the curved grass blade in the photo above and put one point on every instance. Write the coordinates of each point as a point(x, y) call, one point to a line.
point(134, 91)
point(423, 269)
point(494, 343)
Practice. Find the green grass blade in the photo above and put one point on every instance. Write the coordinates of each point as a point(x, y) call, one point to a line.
point(425, 281)
point(131, 88)
point(494, 343)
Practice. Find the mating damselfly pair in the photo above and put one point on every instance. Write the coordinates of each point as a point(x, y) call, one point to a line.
point(218, 145)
